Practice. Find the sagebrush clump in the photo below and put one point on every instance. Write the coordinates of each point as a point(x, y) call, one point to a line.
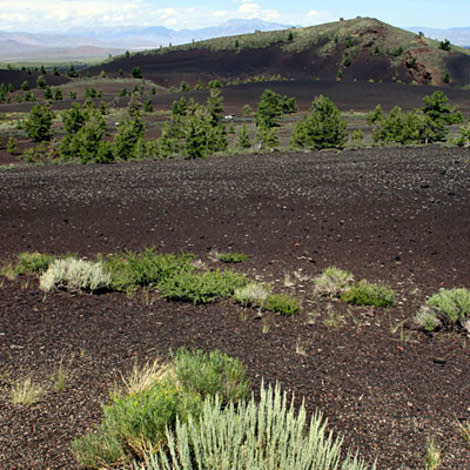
point(140, 414)
point(268, 435)
point(448, 309)
point(75, 274)
point(332, 281)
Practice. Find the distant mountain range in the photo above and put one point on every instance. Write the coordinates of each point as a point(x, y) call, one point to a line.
point(458, 36)
point(74, 45)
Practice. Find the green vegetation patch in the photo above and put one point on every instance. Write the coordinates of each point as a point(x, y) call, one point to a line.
point(282, 303)
point(138, 421)
point(212, 373)
point(448, 309)
point(231, 257)
point(268, 435)
point(201, 287)
point(33, 262)
point(131, 270)
point(367, 293)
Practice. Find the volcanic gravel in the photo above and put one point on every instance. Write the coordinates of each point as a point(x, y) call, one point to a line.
point(399, 215)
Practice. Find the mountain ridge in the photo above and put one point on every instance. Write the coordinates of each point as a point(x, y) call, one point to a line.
point(29, 46)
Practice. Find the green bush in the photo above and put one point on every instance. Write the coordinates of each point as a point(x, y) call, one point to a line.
point(449, 308)
point(138, 421)
point(213, 373)
point(282, 303)
point(366, 293)
point(135, 422)
point(323, 128)
point(98, 449)
point(267, 138)
point(231, 257)
point(33, 262)
point(464, 138)
point(131, 269)
point(441, 115)
point(201, 287)
point(268, 435)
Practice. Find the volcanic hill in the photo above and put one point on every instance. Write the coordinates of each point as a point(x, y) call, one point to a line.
point(357, 49)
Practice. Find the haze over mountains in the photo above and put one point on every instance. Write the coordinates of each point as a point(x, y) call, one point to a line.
point(16, 46)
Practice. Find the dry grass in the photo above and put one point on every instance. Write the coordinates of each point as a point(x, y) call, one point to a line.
point(26, 392)
point(142, 377)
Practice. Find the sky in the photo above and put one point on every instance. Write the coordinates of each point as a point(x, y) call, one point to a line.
point(62, 15)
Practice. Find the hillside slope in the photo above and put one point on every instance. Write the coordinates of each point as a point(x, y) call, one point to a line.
point(358, 49)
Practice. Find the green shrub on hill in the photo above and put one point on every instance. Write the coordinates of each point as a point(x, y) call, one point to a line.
point(283, 304)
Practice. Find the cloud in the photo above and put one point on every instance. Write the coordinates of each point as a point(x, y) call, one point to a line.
point(63, 15)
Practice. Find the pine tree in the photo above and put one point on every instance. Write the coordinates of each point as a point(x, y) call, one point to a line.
point(324, 128)
point(38, 125)
point(12, 148)
point(244, 140)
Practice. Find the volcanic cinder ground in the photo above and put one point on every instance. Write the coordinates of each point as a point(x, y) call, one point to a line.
point(401, 216)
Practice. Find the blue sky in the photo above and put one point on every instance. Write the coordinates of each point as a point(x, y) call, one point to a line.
point(61, 15)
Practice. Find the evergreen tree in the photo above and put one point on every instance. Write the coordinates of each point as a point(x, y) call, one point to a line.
point(323, 128)
point(47, 93)
point(87, 141)
point(38, 125)
point(179, 107)
point(269, 110)
point(12, 148)
point(127, 136)
point(441, 114)
point(244, 140)
point(41, 82)
point(58, 94)
point(74, 118)
point(267, 137)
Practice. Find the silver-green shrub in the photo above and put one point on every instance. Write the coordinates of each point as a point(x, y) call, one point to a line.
point(73, 275)
point(449, 308)
point(253, 294)
point(268, 435)
point(332, 281)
